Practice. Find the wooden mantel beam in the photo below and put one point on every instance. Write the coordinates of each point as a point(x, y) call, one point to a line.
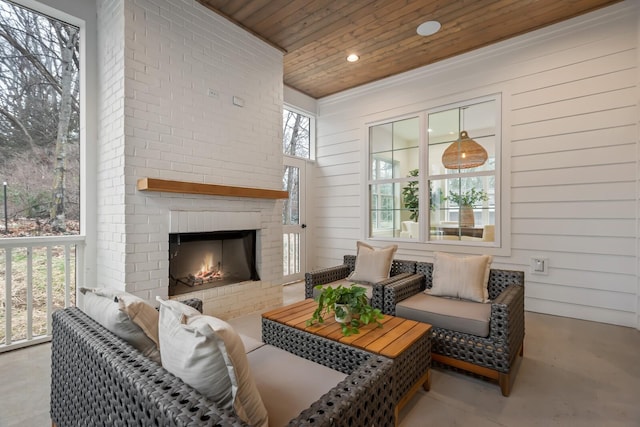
point(169, 186)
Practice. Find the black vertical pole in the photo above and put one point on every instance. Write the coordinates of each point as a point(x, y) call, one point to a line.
point(6, 221)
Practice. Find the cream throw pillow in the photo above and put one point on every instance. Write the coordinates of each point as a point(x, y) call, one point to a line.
point(461, 277)
point(208, 354)
point(128, 316)
point(372, 265)
point(142, 314)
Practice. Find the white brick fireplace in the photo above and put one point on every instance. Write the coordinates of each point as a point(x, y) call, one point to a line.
point(239, 298)
point(158, 61)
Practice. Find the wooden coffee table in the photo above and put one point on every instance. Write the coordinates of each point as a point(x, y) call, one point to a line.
point(406, 342)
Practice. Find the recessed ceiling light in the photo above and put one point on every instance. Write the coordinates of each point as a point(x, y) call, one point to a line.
point(353, 57)
point(428, 28)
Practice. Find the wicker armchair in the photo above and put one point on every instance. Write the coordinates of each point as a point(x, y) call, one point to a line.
point(399, 269)
point(493, 356)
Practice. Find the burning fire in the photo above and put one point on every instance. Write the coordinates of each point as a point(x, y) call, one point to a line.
point(208, 271)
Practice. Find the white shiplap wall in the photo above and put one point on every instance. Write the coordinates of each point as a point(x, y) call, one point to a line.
point(570, 140)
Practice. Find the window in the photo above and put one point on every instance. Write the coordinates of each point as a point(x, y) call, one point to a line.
point(297, 133)
point(461, 143)
point(394, 153)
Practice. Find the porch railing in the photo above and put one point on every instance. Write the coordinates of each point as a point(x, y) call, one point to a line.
point(40, 276)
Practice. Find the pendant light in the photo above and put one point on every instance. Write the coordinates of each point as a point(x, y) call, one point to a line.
point(464, 153)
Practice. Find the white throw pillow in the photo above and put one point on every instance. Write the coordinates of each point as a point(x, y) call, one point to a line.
point(208, 354)
point(197, 355)
point(372, 265)
point(461, 277)
point(127, 316)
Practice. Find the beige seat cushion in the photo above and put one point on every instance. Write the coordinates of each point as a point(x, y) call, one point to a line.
point(288, 383)
point(250, 343)
point(448, 313)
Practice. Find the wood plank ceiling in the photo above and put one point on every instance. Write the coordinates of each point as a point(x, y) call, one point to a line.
point(317, 35)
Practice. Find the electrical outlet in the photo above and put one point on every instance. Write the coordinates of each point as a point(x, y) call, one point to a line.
point(539, 265)
point(238, 101)
point(213, 93)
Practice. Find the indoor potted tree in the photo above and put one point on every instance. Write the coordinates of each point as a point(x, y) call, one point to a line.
point(466, 201)
point(410, 195)
point(350, 306)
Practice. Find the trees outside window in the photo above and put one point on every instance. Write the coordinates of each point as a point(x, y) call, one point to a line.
point(296, 142)
point(296, 134)
point(39, 122)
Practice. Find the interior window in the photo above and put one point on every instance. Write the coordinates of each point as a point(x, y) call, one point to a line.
point(462, 172)
point(394, 154)
point(457, 182)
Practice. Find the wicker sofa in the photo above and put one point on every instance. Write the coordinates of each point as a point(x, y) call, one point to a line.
point(493, 356)
point(333, 275)
point(97, 379)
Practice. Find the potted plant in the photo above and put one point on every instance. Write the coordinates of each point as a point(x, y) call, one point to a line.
point(466, 201)
point(350, 306)
point(410, 195)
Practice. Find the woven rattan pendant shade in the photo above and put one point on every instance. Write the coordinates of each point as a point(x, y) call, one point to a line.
point(464, 153)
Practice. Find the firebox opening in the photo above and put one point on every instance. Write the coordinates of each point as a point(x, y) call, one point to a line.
point(200, 261)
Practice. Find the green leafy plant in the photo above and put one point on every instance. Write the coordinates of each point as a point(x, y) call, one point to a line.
point(351, 300)
point(410, 195)
point(468, 198)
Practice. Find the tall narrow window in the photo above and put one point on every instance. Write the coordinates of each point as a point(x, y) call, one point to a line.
point(297, 131)
point(394, 154)
point(462, 143)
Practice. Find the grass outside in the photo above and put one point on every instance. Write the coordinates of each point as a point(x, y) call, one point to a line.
point(18, 298)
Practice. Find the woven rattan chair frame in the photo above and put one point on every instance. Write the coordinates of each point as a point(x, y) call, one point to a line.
point(399, 270)
point(97, 379)
point(493, 356)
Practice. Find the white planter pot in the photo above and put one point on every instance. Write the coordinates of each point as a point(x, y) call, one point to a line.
point(346, 318)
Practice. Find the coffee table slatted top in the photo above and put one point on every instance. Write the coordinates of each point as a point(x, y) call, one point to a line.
point(391, 340)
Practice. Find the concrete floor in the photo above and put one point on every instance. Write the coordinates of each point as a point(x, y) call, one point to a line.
point(574, 373)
